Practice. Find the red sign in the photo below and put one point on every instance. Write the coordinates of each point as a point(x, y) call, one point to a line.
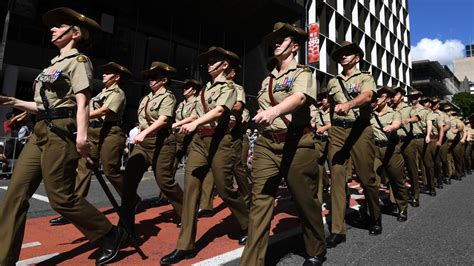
point(313, 43)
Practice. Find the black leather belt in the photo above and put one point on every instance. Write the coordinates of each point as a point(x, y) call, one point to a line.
point(381, 143)
point(56, 113)
point(98, 124)
point(350, 123)
point(321, 137)
point(404, 138)
point(418, 136)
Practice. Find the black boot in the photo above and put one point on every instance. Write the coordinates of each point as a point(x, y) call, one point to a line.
point(415, 203)
point(335, 239)
point(111, 245)
point(402, 216)
point(314, 261)
point(176, 256)
point(59, 221)
point(432, 192)
point(376, 227)
point(243, 237)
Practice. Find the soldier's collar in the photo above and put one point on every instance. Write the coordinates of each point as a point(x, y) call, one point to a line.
point(111, 88)
point(160, 91)
point(356, 72)
point(292, 66)
point(219, 79)
point(69, 53)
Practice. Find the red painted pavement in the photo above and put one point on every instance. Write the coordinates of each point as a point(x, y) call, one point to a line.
point(158, 234)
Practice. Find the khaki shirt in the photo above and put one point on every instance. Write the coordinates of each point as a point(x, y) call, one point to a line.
point(152, 106)
point(355, 85)
point(240, 98)
point(185, 109)
point(221, 93)
point(437, 121)
point(404, 110)
point(455, 123)
point(471, 133)
point(67, 75)
point(420, 126)
point(114, 99)
point(245, 115)
point(386, 118)
point(297, 78)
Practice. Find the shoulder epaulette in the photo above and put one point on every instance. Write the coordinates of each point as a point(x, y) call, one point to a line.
point(304, 67)
point(81, 58)
point(366, 72)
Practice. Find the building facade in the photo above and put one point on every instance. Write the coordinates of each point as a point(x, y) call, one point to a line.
point(464, 69)
point(382, 30)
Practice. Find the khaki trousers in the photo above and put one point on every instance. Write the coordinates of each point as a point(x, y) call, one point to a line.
point(389, 163)
point(159, 152)
point(358, 144)
point(295, 160)
point(412, 149)
point(241, 176)
point(215, 154)
point(321, 147)
point(53, 159)
point(107, 144)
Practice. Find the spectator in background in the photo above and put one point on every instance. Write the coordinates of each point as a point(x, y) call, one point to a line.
point(3, 163)
point(10, 128)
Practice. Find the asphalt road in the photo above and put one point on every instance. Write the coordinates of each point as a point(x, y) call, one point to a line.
point(148, 190)
point(440, 231)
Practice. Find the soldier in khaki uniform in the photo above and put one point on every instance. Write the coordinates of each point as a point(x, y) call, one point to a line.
point(321, 122)
point(104, 133)
point(443, 150)
point(428, 149)
point(155, 145)
point(434, 137)
point(468, 150)
point(388, 158)
point(412, 144)
point(240, 169)
point(183, 115)
point(62, 90)
point(212, 149)
point(285, 149)
point(351, 136)
point(454, 137)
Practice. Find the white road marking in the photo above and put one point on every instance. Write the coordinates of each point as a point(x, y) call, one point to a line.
point(36, 196)
point(222, 259)
point(36, 260)
point(31, 244)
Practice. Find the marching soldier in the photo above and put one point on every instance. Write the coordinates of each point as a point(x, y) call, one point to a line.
point(285, 149)
point(468, 150)
point(61, 101)
point(443, 150)
point(321, 122)
point(240, 169)
point(211, 150)
point(388, 158)
point(105, 134)
point(454, 138)
point(434, 138)
point(155, 145)
point(428, 150)
point(184, 114)
point(351, 136)
point(412, 145)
